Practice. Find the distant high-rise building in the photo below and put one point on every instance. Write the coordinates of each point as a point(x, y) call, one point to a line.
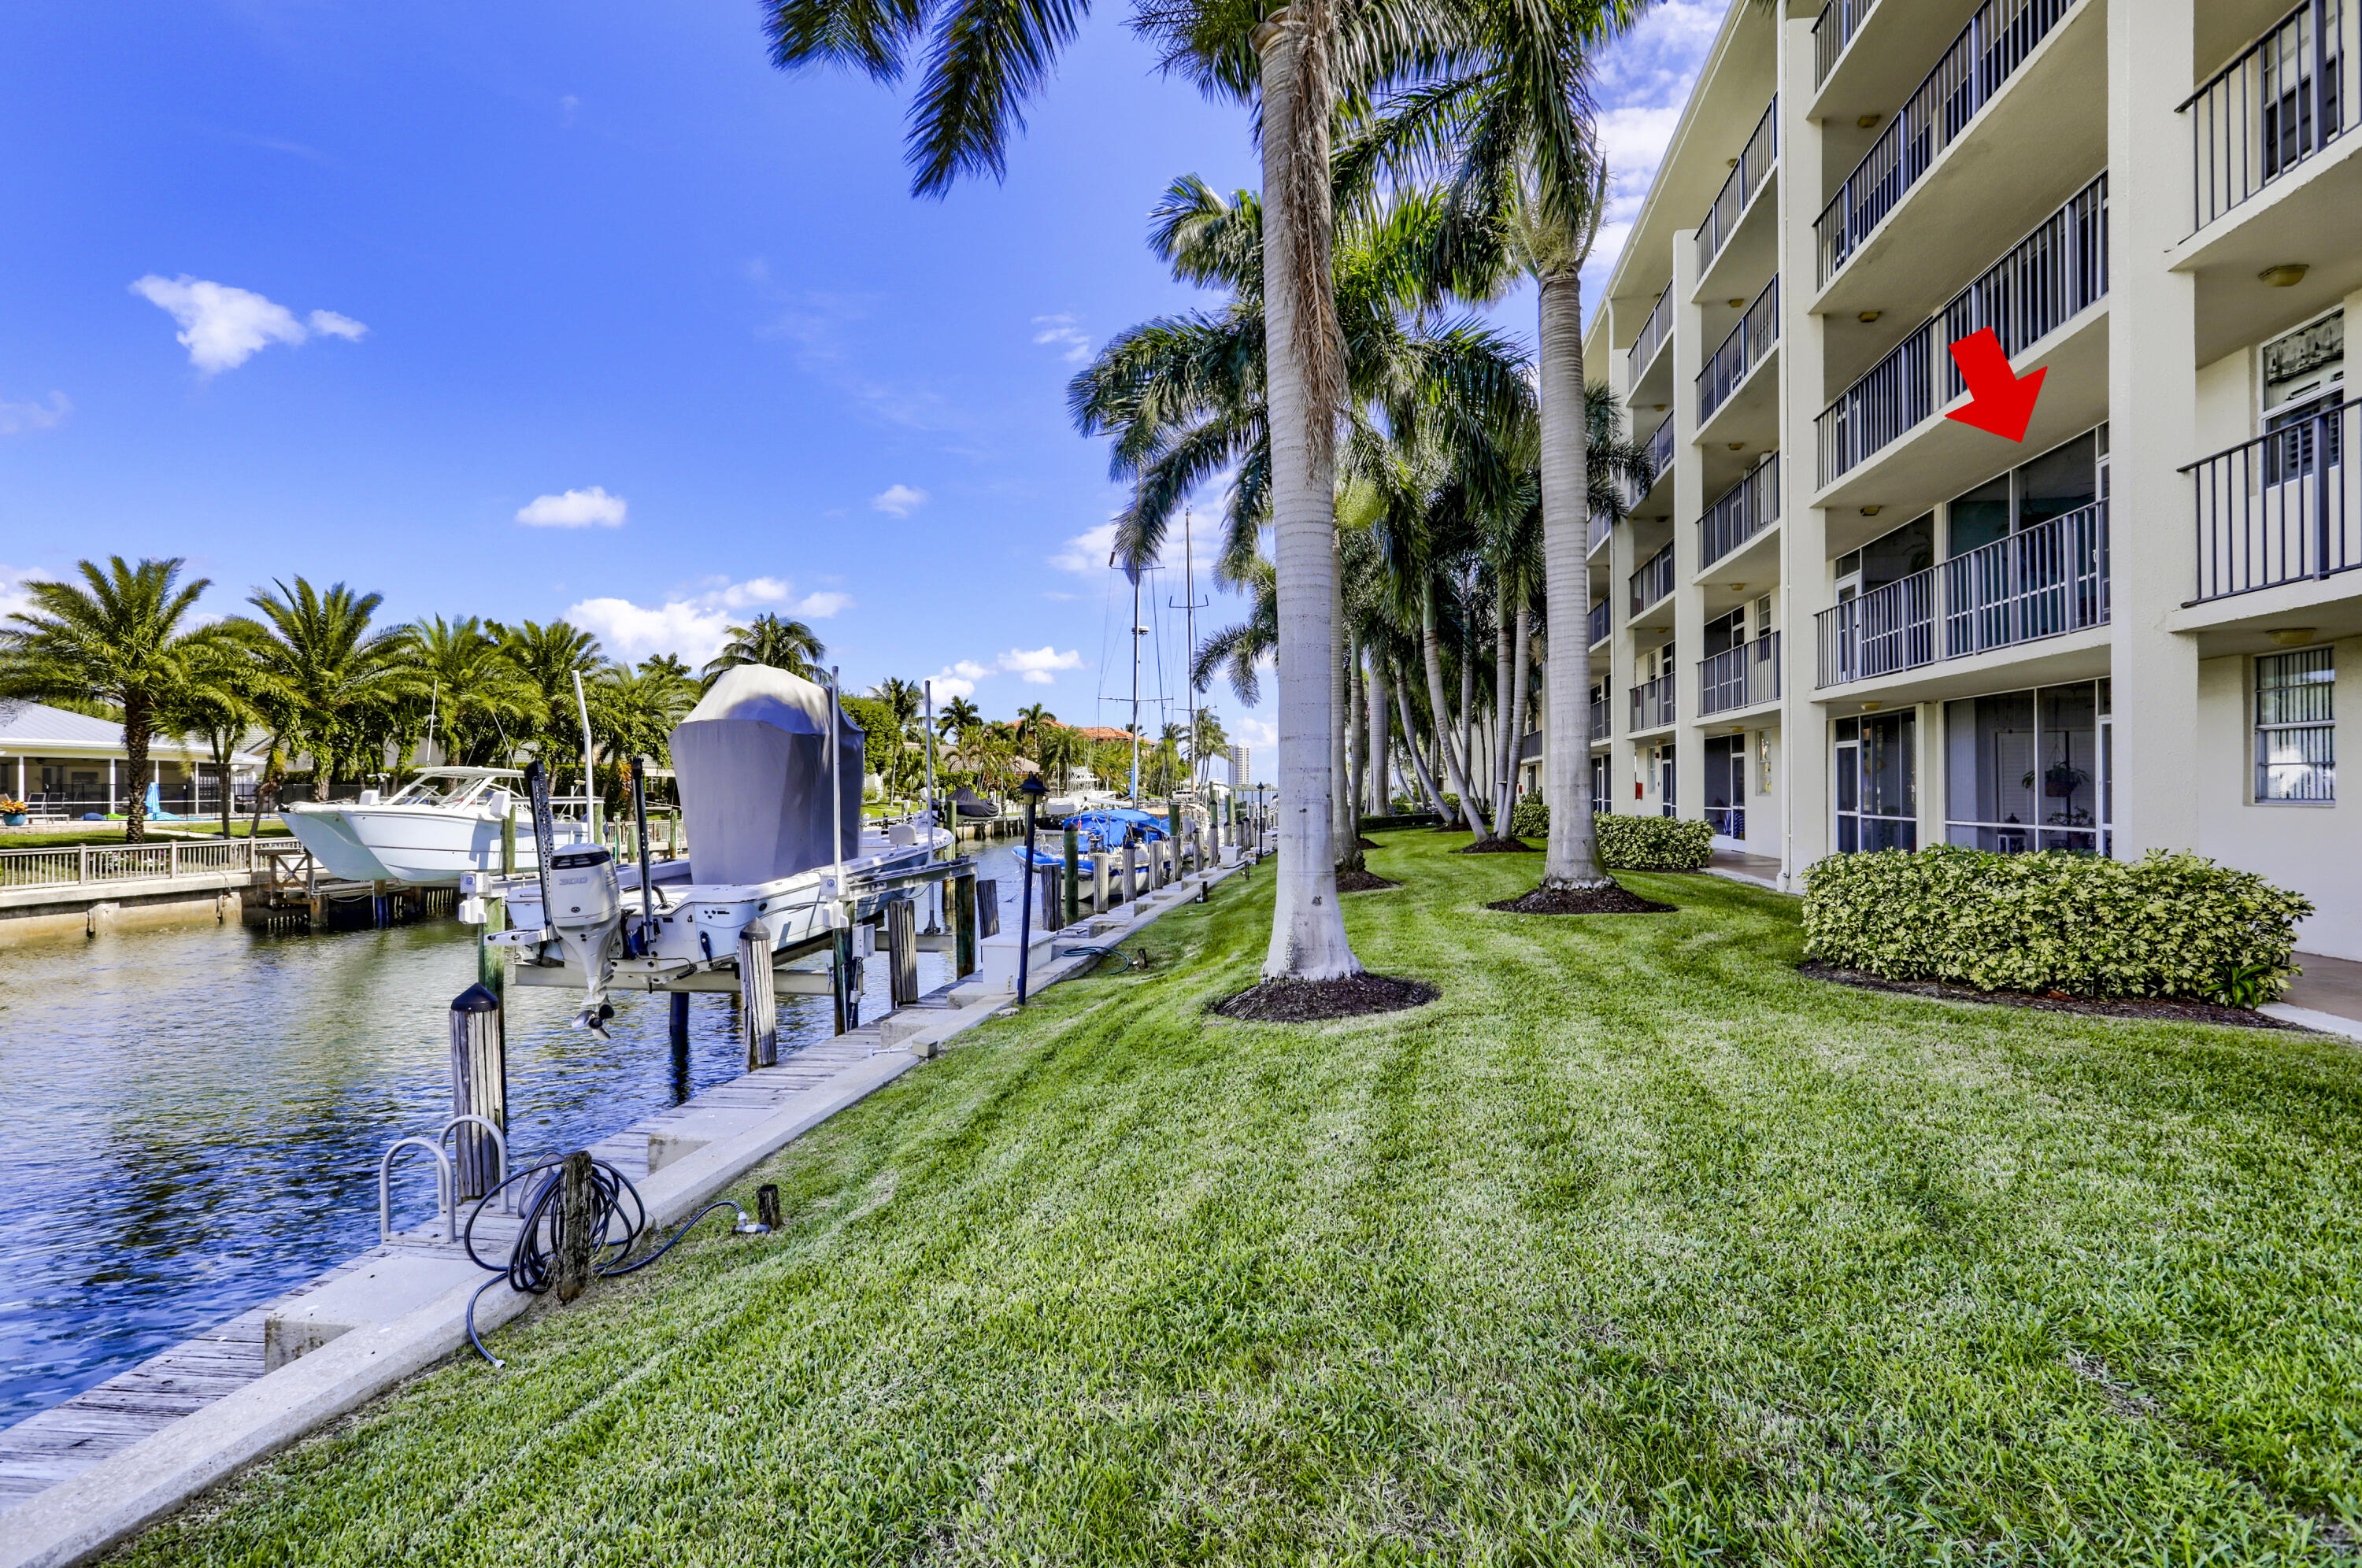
point(1237, 767)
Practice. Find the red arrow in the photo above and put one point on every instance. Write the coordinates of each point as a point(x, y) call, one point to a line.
point(2000, 399)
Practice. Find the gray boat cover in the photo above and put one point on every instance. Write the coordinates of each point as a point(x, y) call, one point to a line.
point(753, 770)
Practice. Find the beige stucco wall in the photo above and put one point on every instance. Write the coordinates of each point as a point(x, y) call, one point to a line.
point(2317, 849)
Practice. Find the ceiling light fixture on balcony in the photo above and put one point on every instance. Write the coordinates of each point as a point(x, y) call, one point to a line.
point(2286, 275)
point(1734, 304)
point(1870, 707)
point(1867, 316)
point(1657, 406)
point(1737, 446)
point(2293, 636)
point(1866, 121)
point(1870, 511)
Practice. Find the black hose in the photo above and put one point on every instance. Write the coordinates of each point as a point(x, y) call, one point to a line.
point(531, 1266)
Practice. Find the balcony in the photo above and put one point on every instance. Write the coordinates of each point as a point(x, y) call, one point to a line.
point(1598, 720)
point(1740, 352)
point(1654, 580)
point(2044, 581)
point(2047, 278)
point(2284, 99)
point(1653, 333)
point(1996, 42)
point(1746, 178)
point(1835, 28)
point(1745, 510)
point(1741, 677)
point(1653, 704)
point(1660, 449)
point(1601, 526)
point(1599, 624)
point(2285, 507)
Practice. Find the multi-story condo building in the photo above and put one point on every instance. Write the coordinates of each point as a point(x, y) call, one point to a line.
point(1840, 620)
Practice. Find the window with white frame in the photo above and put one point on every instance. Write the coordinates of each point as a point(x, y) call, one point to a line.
point(2029, 770)
point(2296, 733)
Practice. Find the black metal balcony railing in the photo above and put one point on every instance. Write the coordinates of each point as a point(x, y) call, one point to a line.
point(2288, 95)
point(1740, 352)
point(1741, 677)
point(1744, 510)
point(2045, 281)
point(2283, 507)
point(1654, 580)
point(2040, 582)
point(1653, 333)
point(1989, 50)
point(1599, 718)
point(1835, 28)
point(1660, 449)
point(1601, 526)
point(1747, 177)
point(1652, 704)
point(1599, 624)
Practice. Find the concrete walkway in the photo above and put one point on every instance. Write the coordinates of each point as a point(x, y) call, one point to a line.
point(2327, 996)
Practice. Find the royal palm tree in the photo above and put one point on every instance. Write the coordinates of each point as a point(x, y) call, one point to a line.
point(478, 697)
point(335, 682)
point(119, 637)
point(1060, 750)
point(983, 59)
point(792, 645)
point(634, 712)
point(224, 698)
point(548, 657)
point(958, 719)
point(1032, 721)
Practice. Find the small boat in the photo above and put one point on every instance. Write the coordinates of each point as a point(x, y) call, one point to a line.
point(446, 823)
point(971, 806)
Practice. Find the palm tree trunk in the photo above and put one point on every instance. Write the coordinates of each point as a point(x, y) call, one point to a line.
point(1573, 858)
point(135, 728)
point(1411, 748)
point(1454, 772)
point(1505, 708)
point(1357, 739)
point(1302, 373)
point(1522, 693)
point(1381, 753)
point(1344, 830)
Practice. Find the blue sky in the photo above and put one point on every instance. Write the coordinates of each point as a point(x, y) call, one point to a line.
point(529, 310)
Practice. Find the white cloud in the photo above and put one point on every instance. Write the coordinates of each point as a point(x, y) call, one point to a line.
point(1060, 331)
point(1086, 552)
point(19, 416)
point(947, 686)
point(593, 508)
point(1256, 736)
point(694, 625)
point(898, 500)
point(223, 327)
point(14, 600)
point(969, 669)
point(1035, 666)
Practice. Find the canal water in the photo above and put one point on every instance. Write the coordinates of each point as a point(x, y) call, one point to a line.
point(196, 1115)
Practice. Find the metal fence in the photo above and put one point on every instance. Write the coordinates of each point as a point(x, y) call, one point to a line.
point(1599, 624)
point(1601, 526)
point(1599, 718)
point(1741, 677)
point(1737, 192)
point(2043, 282)
point(1654, 580)
point(1740, 352)
point(123, 862)
point(1988, 51)
point(1652, 704)
point(2282, 100)
point(1741, 512)
point(2040, 582)
point(1653, 333)
point(2282, 508)
point(1660, 447)
point(1832, 30)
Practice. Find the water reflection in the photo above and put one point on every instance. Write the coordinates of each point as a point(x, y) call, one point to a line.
point(196, 1116)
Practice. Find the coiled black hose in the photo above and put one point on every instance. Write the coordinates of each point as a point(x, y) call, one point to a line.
point(531, 1266)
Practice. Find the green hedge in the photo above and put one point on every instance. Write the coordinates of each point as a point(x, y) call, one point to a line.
point(1625, 844)
point(2170, 925)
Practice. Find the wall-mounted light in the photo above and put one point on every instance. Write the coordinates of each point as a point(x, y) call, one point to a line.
point(2286, 275)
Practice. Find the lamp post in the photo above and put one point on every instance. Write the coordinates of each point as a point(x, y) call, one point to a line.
point(1032, 790)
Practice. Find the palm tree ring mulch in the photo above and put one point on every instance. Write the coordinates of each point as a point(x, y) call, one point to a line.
point(1315, 1001)
point(1363, 841)
point(1357, 879)
point(1609, 900)
point(2157, 1010)
point(1497, 846)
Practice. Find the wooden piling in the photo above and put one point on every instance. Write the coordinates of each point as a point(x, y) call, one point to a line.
point(575, 1242)
point(842, 985)
point(479, 1087)
point(767, 1206)
point(1099, 881)
point(758, 1003)
point(903, 952)
point(1131, 868)
point(987, 907)
point(1072, 889)
point(1053, 907)
point(959, 910)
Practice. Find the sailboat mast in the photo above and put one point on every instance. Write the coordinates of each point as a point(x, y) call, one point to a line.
point(1190, 638)
point(1135, 688)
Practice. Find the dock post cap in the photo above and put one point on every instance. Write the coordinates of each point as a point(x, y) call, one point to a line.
point(476, 999)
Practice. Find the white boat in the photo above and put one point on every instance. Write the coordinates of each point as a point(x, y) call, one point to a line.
point(444, 824)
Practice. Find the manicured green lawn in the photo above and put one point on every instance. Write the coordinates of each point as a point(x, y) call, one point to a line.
point(1636, 1247)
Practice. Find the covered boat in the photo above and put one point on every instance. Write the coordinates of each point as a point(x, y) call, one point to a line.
point(752, 764)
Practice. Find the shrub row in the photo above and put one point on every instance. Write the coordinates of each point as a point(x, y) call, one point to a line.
point(1625, 844)
point(2170, 925)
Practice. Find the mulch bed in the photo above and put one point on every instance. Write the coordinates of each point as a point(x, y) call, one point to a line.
point(1362, 881)
point(2156, 1010)
point(1610, 900)
point(1313, 1001)
point(1361, 841)
point(1498, 847)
